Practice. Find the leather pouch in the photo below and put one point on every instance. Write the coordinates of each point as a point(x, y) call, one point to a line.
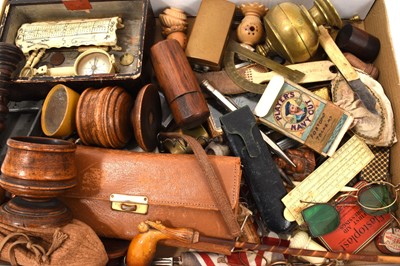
point(259, 169)
point(172, 187)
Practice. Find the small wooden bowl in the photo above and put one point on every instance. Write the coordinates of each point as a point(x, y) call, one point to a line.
point(38, 167)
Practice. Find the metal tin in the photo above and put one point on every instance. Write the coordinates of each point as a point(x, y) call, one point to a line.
point(388, 241)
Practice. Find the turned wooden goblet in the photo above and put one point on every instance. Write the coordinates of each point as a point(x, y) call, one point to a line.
point(37, 170)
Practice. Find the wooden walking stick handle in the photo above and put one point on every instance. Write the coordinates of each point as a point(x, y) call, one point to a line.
point(143, 246)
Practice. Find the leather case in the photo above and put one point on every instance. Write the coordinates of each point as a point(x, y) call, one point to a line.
point(172, 187)
point(259, 169)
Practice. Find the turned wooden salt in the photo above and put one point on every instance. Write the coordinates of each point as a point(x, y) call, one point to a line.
point(39, 167)
point(37, 170)
point(103, 117)
point(251, 30)
point(179, 84)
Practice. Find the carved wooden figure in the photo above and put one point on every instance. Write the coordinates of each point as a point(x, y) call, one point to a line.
point(174, 25)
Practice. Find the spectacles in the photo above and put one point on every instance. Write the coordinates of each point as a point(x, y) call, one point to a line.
point(375, 198)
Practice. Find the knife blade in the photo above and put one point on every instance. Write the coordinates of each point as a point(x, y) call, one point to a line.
point(346, 69)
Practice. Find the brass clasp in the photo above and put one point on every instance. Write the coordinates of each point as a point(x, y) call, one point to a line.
point(127, 203)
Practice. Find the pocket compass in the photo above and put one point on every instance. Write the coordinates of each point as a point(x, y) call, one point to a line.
point(93, 61)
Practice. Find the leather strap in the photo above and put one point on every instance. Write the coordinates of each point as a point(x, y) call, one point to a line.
point(214, 181)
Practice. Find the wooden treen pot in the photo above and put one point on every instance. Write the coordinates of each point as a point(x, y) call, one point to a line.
point(37, 170)
point(103, 117)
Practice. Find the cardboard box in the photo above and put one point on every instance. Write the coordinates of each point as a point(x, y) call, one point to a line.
point(376, 22)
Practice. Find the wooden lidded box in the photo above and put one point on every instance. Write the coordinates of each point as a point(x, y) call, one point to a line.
point(63, 32)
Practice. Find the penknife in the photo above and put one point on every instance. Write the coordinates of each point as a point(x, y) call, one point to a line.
point(346, 69)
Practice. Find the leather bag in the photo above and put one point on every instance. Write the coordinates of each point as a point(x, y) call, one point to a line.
point(172, 187)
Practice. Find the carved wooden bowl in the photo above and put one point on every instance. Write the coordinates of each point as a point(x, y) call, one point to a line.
point(36, 170)
point(38, 167)
point(103, 117)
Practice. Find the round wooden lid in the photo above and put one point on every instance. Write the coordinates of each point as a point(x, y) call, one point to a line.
point(147, 117)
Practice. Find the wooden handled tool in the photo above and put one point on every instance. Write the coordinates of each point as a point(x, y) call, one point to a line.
point(345, 68)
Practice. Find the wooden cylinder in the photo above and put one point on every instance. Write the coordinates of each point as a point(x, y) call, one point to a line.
point(179, 84)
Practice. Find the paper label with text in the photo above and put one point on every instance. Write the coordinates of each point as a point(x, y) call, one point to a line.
point(307, 118)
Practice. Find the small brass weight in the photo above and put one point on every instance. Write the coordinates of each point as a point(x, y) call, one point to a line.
point(36, 170)
point(292, 30)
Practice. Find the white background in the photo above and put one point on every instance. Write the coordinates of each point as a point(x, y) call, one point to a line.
point(345, 8)
point(393, 11)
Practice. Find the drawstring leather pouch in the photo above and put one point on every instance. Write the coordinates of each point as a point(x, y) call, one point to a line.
point(72, 244)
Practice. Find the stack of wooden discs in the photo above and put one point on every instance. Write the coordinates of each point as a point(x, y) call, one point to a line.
point(103, 117)
point(10, 58)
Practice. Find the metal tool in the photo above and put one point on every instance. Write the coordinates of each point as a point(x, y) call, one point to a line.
point(348, 72)
point(231, 106)
point(229, 66)
point(171, 261)
point(329, 178)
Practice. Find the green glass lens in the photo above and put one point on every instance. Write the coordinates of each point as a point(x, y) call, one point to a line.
point(376, 198)
point(321, 219)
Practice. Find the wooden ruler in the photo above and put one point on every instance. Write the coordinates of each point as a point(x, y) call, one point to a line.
point(316, 71)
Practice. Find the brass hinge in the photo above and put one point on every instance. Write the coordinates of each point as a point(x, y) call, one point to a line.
point(127, 203)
